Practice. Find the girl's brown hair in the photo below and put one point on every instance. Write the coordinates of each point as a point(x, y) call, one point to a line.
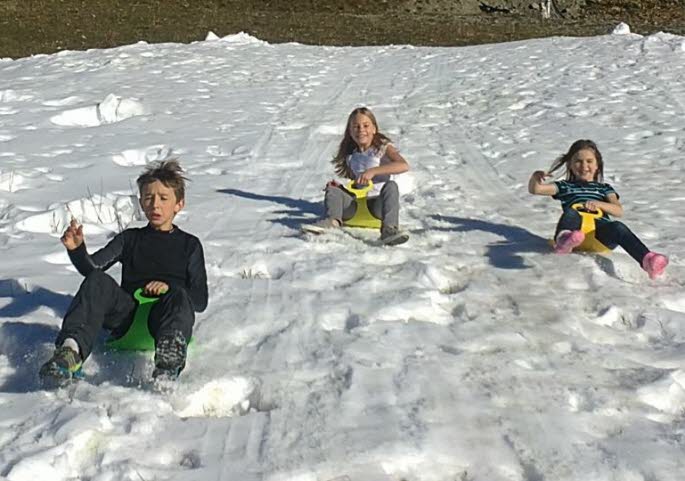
point(576, 147)
point(169, 173)
point(348, 145)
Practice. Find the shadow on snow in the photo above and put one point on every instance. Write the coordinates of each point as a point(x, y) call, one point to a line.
point(504, 254)
point(25, 301)
point(297, 213)
point(27, 345)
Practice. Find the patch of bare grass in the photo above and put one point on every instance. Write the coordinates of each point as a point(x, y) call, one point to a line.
point(44, 26)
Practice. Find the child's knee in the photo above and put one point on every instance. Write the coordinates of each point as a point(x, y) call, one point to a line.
point(177, 299)
point(94, 275)
point(333, 192)
point(614, 230)
point(620, 227)
point(96, 279)
point(571, 214)
point(390, 188)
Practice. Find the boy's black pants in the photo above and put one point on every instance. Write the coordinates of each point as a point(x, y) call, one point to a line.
point(610, 233)
point(101, 302)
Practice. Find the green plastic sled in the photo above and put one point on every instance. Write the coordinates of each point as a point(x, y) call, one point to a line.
point(138, 337)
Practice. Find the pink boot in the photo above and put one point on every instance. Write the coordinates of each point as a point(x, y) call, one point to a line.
point(654, 264)
point(567, 240)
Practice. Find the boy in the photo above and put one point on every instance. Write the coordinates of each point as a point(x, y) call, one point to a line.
point(160, 258)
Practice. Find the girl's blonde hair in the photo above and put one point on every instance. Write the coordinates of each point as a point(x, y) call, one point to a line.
point(577, 146)
point(348, 145)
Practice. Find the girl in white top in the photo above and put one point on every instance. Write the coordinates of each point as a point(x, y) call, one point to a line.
point(365, 155)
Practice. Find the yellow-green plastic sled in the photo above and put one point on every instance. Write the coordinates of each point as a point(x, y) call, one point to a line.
point(590, 244)
point(363, 217)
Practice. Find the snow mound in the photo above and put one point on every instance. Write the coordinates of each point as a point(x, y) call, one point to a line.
point(12, 181)
point(143, 156)
point(667, 395)
point(111, 110)
point(220, 398)
point(621, 29)
point(108, 213)
point(10, 95)
point(242, 38)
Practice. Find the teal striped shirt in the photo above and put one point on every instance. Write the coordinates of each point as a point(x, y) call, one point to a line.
point(569, 193)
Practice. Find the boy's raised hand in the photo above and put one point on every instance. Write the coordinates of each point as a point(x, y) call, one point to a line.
point(73, 236)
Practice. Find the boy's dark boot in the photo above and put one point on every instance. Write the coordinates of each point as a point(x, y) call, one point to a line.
point(64, 365)
point(170, 355)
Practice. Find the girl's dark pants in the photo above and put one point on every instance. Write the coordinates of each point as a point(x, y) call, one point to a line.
point(608, 232)
point(101, 302)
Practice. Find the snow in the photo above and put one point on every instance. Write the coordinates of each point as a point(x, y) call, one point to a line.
point(621, 29)
point(471, 353)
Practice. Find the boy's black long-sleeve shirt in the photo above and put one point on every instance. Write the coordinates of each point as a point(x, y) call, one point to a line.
point(173, 257)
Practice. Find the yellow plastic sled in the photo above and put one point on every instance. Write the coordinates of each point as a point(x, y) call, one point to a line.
point(590, 244)
point(363, 217)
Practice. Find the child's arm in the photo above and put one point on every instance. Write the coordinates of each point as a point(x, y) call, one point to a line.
point(612, 206)
point(74, 240)
point(397, 165)
point(73, 236)
point(197, 278)
point(537, 186)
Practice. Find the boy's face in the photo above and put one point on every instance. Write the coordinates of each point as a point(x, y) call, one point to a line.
point(159, 204)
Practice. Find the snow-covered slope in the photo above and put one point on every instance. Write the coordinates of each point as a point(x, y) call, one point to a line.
point(470, 353)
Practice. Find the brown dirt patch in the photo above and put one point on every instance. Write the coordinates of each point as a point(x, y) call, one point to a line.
point(43, 26)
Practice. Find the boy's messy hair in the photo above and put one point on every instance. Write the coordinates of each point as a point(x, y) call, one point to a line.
point(348, 145)
point(577, 146)
point(169, 173)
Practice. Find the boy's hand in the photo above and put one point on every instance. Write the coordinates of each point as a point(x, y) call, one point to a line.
point(155, 288)
point(73, 236)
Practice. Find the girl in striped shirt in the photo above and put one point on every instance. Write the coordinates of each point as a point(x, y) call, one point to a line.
point(584, 185)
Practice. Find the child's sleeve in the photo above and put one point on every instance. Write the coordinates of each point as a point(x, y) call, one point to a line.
point(562, 188)
point(103, 259)
point(197, 278)
point(608, 190)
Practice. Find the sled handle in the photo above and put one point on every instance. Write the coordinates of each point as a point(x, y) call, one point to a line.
point(143, 299)
point(359, 191)
point(580, 208)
